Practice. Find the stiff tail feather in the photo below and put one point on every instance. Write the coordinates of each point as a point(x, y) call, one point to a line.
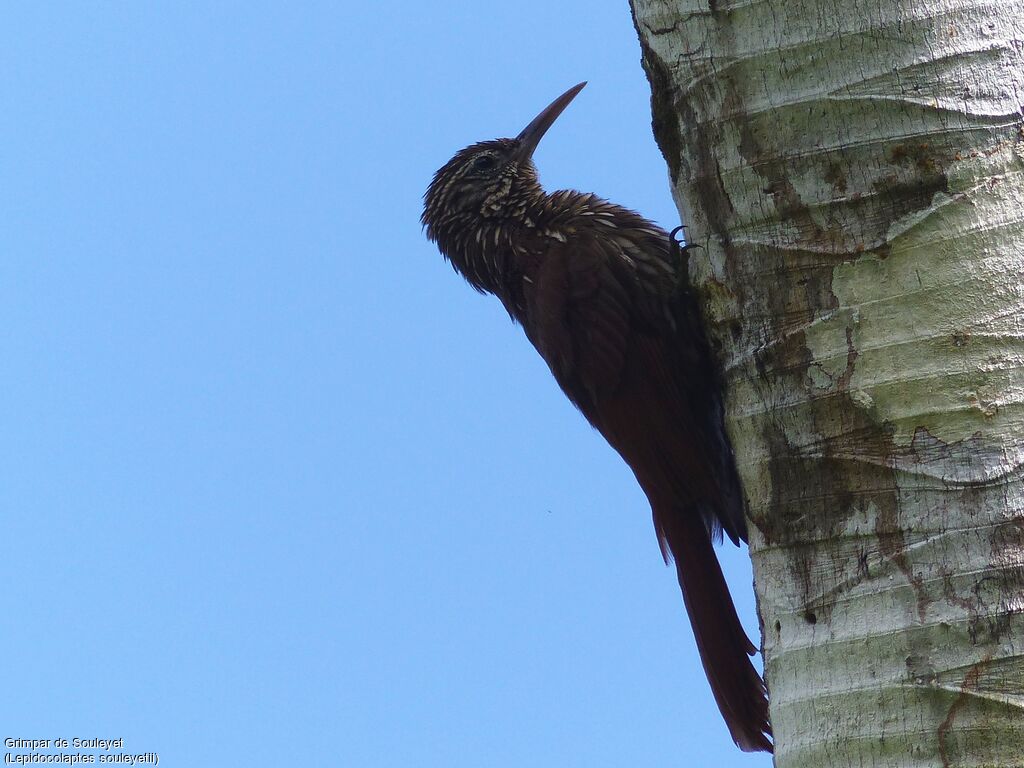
point(724, 647)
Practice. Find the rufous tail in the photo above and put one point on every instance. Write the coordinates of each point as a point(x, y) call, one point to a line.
point(724, 647)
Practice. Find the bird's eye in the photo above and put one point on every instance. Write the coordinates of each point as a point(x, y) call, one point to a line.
point(484, 163)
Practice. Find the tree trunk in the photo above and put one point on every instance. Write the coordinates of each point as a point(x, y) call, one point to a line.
point(855, 173)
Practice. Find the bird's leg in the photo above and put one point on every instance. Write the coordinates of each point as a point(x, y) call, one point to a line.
point(679, 252)
point(679, 249)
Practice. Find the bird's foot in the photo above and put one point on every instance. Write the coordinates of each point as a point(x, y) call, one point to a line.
point(679, 250)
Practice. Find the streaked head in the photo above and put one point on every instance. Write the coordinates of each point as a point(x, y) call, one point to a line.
point(488, 179)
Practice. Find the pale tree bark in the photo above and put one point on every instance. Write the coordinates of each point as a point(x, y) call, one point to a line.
point(855, 173)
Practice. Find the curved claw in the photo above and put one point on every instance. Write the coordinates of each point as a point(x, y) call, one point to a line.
point(679, 248)
point(685, 244)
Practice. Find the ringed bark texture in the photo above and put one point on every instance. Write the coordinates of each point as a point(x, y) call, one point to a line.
point(855, 172)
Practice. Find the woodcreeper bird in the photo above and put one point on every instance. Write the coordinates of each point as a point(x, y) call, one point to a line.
point(604, 296)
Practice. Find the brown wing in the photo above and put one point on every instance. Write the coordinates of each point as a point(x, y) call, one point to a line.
point(625, 345)
point(627, 348)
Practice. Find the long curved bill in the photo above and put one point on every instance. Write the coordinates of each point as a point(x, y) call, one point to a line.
point(534, 132)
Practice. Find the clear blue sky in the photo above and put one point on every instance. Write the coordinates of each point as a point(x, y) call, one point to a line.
point(277, 487)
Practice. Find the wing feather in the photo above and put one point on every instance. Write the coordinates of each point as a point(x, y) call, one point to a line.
point(626, 346)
